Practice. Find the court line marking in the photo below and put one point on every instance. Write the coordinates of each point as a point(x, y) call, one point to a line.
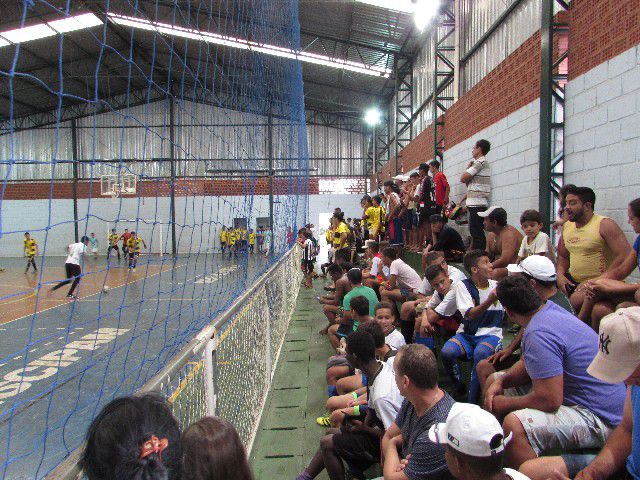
point(92, 295)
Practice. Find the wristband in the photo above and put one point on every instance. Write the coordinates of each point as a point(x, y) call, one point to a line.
point(356, 410)
point(355, 395)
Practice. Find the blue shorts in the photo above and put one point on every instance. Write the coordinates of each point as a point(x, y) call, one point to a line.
point(407, 294)
point(344, 330)
point(470, 342)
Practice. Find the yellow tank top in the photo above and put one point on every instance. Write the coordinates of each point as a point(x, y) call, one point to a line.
point(589, 255)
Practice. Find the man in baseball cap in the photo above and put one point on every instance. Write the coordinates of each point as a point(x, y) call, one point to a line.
point(618, 359)
point(503, 240)
point(475, 444)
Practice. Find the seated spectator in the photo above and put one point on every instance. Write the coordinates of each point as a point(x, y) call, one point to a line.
point(618, 359)
point(541, 273)
point(408, 310)
point(403, 280)
point(445, 239)
point(133, 438)
point(385, 318)
point(604, 294)
point(384, 350)
point(475, 444)
point(480, 333)
point(358, 442)
point(212, 450)
point(503, 240)
point(377, 273)
point(559, 405)
point(437, 312)
point(332, 303)
point(408, 453)
point(591, 246)
point(535, 242)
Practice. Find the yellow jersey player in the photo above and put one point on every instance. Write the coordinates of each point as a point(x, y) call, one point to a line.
point(252, 240)
point(224, 238)
point(133, 247)
point(30, 249)
point(113, 243)
point(231, 241)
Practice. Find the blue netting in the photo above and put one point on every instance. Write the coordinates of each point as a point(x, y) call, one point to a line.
point(143, 95)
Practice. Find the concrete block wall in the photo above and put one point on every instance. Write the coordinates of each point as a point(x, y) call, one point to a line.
point(602, 145)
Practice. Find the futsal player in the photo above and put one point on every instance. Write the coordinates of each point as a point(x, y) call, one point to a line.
point(252, 240)
point(224, 236)
point(133, 247)
point(30, 248)
point(231, 240)
point(72, 266)
point(125, 241)
point(93, 242)
point(113, 243)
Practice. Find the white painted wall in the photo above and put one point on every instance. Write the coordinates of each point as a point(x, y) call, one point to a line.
point(198, 219)
point(513, 158)
point(602, 134)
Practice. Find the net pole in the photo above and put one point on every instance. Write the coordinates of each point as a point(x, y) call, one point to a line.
point(74, 185)
point(210, 392)
point(172, 146)
point(271, 173)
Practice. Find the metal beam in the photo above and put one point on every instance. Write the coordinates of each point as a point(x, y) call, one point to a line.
point(172, 147)
point(384, 50)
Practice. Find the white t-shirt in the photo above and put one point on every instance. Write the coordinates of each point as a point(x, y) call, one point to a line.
point(516, 475)
point(395, 339)
point(384, 396)
point(376, 265)
point(541, 244)
point(479, 188)
point(459, 299)
point(406, 277)
point(453, 273)
point(309, 251)
point(76, 250)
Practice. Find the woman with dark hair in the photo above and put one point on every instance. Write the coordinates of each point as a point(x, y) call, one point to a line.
point(604, 295)
point(133, 438)
point(213, 451)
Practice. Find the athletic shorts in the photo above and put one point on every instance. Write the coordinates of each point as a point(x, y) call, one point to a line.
point(426, 212)
point(360, 450)
point(567, 429)
point(344, 330)
point(407, 294)
point(308, 265)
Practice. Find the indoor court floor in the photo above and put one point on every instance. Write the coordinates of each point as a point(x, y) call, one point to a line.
point(83, 350)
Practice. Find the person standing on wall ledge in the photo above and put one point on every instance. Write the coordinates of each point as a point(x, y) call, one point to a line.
point(477, 178)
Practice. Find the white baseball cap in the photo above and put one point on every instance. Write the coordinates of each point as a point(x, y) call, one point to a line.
point(469, 429)
point(536, 266)
point(402, 178)
point(489, 211)
point(619, 346)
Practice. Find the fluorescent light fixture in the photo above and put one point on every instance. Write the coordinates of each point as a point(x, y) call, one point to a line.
point(372, 116)
point(49, 29)
point(228, 41)
point(423, 10)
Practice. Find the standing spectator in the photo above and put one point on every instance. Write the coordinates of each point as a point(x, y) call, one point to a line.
point(591, 245)
point(441, 185)
point(564, 408)
point(365, 203)
point(408, 452)
point(618, 359)
point(411, 232)
point(212, 450)
point(477, 178)
point(393, 209)
point(133, 438)
point(503, 241)
point(475, 444)
point(426, 203)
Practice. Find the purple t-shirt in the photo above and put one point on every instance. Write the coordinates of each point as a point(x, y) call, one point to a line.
point(636, 247)
point(557, 343)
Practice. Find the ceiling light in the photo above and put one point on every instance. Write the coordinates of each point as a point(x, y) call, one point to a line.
point(49, 29)
point(372, 117)
point(424, 12)
point(228, 41)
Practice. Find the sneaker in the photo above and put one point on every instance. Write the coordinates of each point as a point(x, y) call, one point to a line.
point(133, 269)
point(71, 296)
point(324, 421)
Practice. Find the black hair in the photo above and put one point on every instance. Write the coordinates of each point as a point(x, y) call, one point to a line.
point(360, 305)
point(390, 252)
point(374, 246)
point(585, 194)
point(355, 276)
point(366, 198)
point(499, 215)
point(377, 198)
point(435, 163)
point(86, 239)
point(116, 436)
point(472, 258)
point(26, 233)
point(342, 256)
point(437, 218)
point(634, 205)
point(484, 146)
point(414, 175)
point(424, 166)
point(530, 216)
point(432, 271)
point(381, 305)
point(361, 345)
point(419, 364)
point(433, 255)
point(518, 295)
point(334, 268)
point(375, 330)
